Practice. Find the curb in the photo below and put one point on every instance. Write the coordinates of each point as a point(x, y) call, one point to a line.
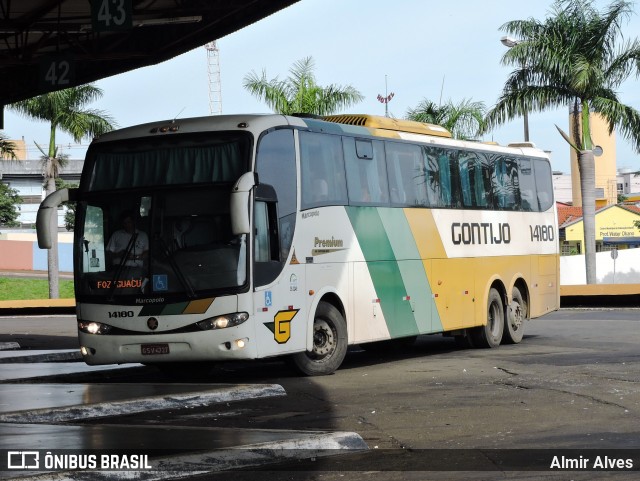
point(38, 306)
point(37, 303)
point(20, 357)
point(192, 399)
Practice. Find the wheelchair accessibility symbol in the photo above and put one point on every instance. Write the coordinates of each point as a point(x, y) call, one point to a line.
point(160, 282)
point(267, 299)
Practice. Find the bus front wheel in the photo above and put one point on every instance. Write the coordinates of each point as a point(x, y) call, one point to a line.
point(490, 334)
point(516, 316)
point(329, 343)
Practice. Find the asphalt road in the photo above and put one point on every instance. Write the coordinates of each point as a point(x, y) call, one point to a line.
point(573, 383)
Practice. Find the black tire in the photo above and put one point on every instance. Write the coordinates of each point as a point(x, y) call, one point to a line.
point(329, 343)
point(517, 314)
point(490, 335)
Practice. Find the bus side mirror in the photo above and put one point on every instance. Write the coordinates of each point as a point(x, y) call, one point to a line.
point(240, 223)
point(47, 218)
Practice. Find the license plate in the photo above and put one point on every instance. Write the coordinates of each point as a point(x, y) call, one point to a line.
point(151, 349)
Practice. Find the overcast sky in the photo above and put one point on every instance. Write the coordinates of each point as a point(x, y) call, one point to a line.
point(427, 49)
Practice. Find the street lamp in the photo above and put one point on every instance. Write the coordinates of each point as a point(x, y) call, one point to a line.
point(510, 42)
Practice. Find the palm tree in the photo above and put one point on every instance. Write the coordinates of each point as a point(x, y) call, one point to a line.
point(300, 93)
point(7, 148)
point(578, 58)
point(465, 120)
point(63, 110)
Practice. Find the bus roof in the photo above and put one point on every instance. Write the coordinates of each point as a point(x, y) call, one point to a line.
point(386, 123)
point(354, 124)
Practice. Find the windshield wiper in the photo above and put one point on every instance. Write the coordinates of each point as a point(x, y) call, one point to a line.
point(176, 269)
point(123, 261)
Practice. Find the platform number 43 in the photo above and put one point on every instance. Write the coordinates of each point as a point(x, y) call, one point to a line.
point(111, 14)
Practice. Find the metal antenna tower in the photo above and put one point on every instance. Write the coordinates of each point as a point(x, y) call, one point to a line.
point(386, 99)
point(213, 71)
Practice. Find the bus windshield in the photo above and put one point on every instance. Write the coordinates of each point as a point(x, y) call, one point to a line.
point(154, 220)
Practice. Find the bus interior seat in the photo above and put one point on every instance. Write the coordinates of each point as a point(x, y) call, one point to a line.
point(320, 190)
point(180, 228)
point(195, 231)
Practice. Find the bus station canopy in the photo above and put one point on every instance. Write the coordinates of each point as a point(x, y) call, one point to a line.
point(48, 45)
point(631, 241)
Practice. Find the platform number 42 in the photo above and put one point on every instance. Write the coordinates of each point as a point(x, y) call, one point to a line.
point(58, 73)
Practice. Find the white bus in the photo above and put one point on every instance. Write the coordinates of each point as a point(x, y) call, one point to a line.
point(251, 236)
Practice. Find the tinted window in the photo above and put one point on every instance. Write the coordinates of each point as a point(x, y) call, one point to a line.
point(443, 177)
point(180, 159)
point(475, 179)
point(366, 172)
point(506, 185)
point(544, 184)
point(408, 180)
point(322, 170)
point(527, 185)
point(276, 166)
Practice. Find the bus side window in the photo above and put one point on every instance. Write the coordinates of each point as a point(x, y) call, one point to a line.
point(93, 242)
point(321, 159)
point(527, 185)
point(473, 178)
point(262, 237)
point(506, 185)
point(407, 176)
point(366, 173)
point(276, 166)
point(444, 176)
point(268, 263)
point(431, 176)
point(544, 184)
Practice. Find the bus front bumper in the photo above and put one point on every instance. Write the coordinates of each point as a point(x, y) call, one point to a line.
point(222, 345)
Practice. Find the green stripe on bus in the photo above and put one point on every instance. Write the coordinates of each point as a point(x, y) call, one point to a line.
point(163, 309)
point(151, 310)
point(383, 269)
point(412, 269)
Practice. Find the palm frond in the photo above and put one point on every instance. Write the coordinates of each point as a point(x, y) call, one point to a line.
point(299, 92)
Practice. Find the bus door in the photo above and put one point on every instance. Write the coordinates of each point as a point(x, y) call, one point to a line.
point(279, 282)
point(281, 314)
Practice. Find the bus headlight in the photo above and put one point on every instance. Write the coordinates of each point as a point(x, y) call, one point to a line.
point(91, 327)
point(222, 322)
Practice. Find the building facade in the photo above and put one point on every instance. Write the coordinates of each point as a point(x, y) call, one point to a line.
point(25, 176)
point(615, 228)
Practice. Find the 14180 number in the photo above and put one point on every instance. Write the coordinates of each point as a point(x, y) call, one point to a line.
point(542, 233)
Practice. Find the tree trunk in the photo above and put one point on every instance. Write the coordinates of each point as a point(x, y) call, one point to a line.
point(586, 161)
point(52, 254)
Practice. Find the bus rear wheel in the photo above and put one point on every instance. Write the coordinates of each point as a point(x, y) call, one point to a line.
point(517, 314)
point(329, 343)
point(490, 335)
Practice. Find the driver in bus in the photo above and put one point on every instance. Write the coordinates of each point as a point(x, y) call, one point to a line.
point(120, 239)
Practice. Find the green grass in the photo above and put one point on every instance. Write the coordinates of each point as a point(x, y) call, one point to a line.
point(12, 289)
